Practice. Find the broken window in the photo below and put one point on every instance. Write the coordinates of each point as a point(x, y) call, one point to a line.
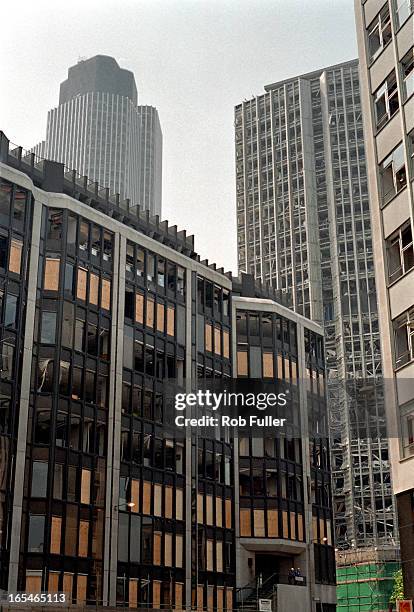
point(386, 100)
point(393, 174)
point(379, 32)
point(400, 252)
point(404, 338)
point(407, 66)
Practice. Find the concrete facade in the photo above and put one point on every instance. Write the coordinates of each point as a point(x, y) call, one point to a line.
point(385, 33)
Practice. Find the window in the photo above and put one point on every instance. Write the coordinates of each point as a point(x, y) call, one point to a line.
point(242, 368)
point(400, 252)
point(82, 281)
point(379, 32)
point(11, 311)
point(407, 429)
point(161, 272)
point(36, 533)
point(180, 280)
point(93, 289)
point(140, 262)
point(386, 100)
point(106, 294)
point(55, 535)
point(403, 10)
point(39, 479)
point(5, 193)
point(404, 338)
point(54, 225)
point(48, 329)
point(7, 360)
point(393, 174)
point(15, 260)
point(83, 236)
point(107, 246)
point(407, 67)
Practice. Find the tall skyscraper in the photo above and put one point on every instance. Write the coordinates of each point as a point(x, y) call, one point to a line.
point(303, 222)
point(99, 499)
point(151, 159)
point(99, 130)
point(385, 32)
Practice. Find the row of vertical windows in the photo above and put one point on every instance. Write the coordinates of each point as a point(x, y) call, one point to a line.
point(154, 271)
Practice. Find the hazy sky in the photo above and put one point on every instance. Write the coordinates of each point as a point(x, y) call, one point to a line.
point(192, 59)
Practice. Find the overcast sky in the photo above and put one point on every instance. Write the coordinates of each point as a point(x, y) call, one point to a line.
point(192, 59)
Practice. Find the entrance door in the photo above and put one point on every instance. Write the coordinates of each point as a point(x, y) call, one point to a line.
point(266, 565)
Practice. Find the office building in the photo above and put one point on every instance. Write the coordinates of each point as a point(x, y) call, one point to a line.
point(99, 130)
point(303, 223)
point(99, 308)
point(385, 32)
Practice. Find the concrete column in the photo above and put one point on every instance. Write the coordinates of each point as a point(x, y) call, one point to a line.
point(114, 423)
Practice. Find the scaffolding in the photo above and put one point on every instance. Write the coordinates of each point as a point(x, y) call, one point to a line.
point(365, 579)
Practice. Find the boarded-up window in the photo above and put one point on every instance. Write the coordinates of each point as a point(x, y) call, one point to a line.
point(170, 321)
point(93, 289)
point(178, 551)
point(220, 599)
point(280, 366)
point(133, 593)
point(226, 344)
point(86, 487)
point(315, 535)
point(228, 513)
point(300, 527)
point(285, 524)
point(219, 511)
point(210, 599)
point(106, 294)
point(160, 317)
point(259, 528)
point(81, 589)
point(208, 337)
point(217, 340)
point(210, 546)
point(146, 497)
point(15, 260)
point(219, 556)
point(83, 538)
point(135, 495)
point(245, 522)
point(200, 597)
point(292, 525)
point(81, 286)
point(157, 548)
point(139, 308)
point(150, 313)
point(168, 502)
point(209, 509)
point(229, 599)
point(53, 582)
point(55, 535)
point(178, 595)
point(168, 549)
point(267, 365)
point(68, 585)
point(156, 594)
point(33, 582)
point(179, 504)
point(200, 513)
point(157, 499)
point(242, 369)
point(272, 524)
point(51, 282)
